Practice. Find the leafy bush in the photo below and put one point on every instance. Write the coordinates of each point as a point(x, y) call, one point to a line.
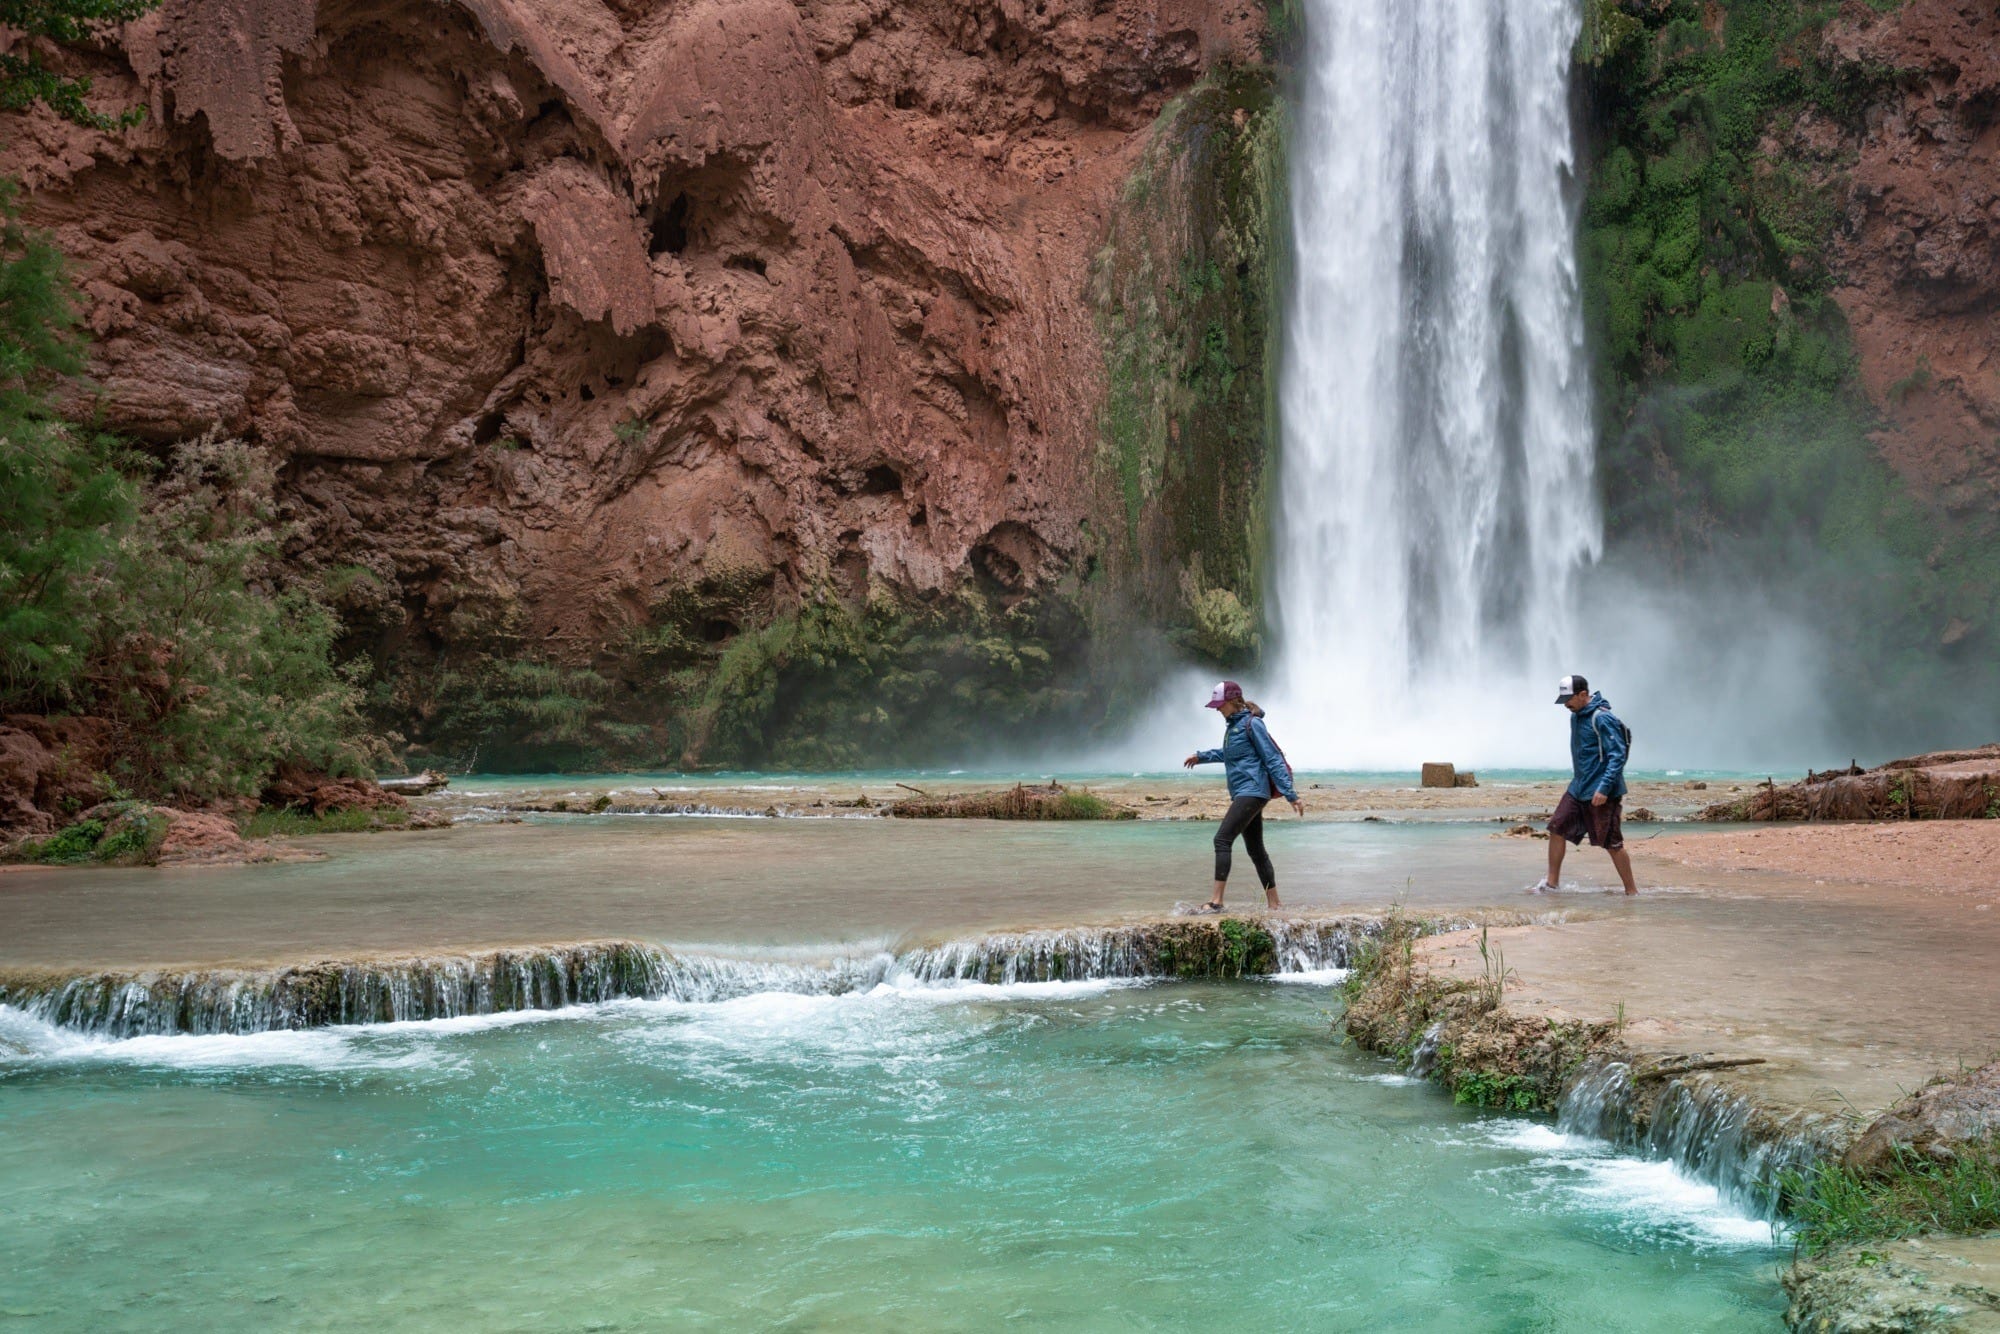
point(1509, 1093)
point(133, 837)
point(70, 847)
point(149, 595)
point(24, 79)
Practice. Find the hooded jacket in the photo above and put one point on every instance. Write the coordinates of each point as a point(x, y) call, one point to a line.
point(1250, 759)
point(1596, 751)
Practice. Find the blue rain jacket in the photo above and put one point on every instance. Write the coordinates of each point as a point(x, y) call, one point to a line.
point(1250, 759)
point(1596, 751)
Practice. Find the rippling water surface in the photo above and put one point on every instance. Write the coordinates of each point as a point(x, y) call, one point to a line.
point(1099, 1155)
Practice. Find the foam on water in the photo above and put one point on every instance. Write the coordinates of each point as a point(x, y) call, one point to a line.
point(1651, 1195)
point(1310, 977)
point(836, 1018)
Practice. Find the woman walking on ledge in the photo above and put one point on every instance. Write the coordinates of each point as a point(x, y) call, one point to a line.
point(1257, 772)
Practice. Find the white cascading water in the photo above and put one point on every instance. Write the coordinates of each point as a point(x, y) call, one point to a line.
point(1438, 500)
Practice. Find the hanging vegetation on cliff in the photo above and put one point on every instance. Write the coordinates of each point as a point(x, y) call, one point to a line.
point(1738, 439)
point(1185, 290)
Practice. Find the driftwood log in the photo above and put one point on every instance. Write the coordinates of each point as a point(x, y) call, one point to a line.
point(1020, 802)
point(1945, 785)
point(415, 785)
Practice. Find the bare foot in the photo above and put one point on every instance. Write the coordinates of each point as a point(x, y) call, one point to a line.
point(1542, 886)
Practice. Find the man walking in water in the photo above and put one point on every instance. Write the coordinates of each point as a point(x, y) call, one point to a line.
point(1593, 805)
point(1257, 771)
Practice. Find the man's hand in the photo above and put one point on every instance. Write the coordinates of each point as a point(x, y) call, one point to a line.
point(1299, 807)
point(1190, 762)
point(1599, 799)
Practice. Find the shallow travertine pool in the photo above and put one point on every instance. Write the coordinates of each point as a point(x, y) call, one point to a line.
point(1094, 1155)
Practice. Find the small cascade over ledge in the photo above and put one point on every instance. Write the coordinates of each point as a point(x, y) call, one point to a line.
point(340, 992)
point(1710, 1132)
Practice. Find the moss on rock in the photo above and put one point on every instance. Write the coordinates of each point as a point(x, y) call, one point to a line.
point(1185, 290)
point(1734, 429)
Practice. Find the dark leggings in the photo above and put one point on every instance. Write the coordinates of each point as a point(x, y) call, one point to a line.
point(1246, 817)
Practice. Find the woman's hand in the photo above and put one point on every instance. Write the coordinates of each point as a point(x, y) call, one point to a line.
point(1190, 762)
point(1299, 807)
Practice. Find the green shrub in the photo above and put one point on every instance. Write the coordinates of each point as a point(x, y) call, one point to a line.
point(142, 593)
point(70, 847)
point(1510, 1093)
point(24, 79)
point(133, 837)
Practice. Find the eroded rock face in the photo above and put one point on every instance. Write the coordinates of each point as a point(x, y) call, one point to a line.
point(48, 765)
point(292, 788)
point(1939, 1121)
point(1918, 249)
point(561, 312)
point(1933, 1283)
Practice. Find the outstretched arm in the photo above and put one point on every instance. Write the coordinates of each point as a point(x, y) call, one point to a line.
point(1202, 757)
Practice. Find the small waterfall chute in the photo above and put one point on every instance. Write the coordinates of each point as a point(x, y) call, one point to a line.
point(209, 1002)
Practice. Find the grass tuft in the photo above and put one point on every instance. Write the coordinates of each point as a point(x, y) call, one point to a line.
point(1836, 1206)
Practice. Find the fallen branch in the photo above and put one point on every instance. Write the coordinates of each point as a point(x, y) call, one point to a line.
point(1672, 1066)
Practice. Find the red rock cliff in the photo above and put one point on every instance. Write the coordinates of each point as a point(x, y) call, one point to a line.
point(560, 309)
point(1918, 247)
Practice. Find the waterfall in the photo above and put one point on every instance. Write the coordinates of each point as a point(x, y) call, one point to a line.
point(1437, 496)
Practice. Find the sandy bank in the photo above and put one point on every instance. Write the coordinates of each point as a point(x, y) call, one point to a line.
point(1151, 798)
point(1945, 855)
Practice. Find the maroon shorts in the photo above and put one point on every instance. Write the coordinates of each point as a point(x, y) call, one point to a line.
point(1576, 820)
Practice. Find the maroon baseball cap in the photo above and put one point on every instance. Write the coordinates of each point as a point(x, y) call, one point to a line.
point(1224, 692)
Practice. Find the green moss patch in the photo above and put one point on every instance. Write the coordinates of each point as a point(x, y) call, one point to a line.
point(1186, 291)
point(126, 834)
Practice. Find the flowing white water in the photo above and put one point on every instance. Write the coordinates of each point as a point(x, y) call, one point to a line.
point(1438, 498)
